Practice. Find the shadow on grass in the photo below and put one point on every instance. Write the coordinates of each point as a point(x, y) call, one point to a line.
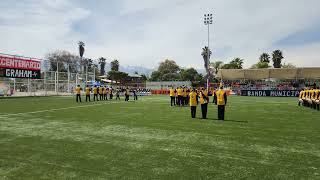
point(226, 120)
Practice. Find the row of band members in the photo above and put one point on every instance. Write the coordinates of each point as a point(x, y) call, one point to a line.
point(182, 96)
point(102, 93)
point(310, 98)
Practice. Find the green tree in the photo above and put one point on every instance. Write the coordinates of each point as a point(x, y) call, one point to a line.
point(144, 77)
point(277, 58)
point(236, 63)
point(117, 76)
point(167, 71)
point(114, 65)
point(155, 76)
point(265, 57)
point(188, 74)
point(63, 59)
point(260, 65)
point(216, 65)
point(168, 66)
point(102, 62)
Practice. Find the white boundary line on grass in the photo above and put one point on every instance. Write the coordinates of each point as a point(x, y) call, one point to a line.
point(56, 109)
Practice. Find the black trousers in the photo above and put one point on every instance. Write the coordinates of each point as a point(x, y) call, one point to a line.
point(221, 110)
point(95, 96)
point(193, 111)
point(118, 97)
point(135, 97)
point(111, 96)
point(186, 100)
point(127, 98)
point(173, 100)
point(177, 100)
point(204, 110)
point(87, 97)
point(78, 98)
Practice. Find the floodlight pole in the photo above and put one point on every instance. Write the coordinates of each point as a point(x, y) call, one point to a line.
point(207, 22)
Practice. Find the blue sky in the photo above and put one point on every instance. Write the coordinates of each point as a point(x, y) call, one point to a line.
point(145, 32)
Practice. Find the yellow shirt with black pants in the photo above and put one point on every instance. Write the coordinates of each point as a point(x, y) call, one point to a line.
point(78, 92)
point(317, 101)
point(313, 99)
point(95, 94)
point(204, 99)
point(105, 95)
point(185, 100)
point(88, 90)
point(101, 93)
point(221, 99)
point(300, 97)
point(180, 95)
point(193, 102)
point(172, 97)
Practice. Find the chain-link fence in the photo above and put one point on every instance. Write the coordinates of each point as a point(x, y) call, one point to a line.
point(51, 83)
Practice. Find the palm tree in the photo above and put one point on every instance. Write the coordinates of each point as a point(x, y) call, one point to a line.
point(237, 63)
point(216, 66)
point(81, 48)
point(81, 52)
point(265, 57)
point(206, 53)
point(115, 65)
point(277, 58)
point(102, 62)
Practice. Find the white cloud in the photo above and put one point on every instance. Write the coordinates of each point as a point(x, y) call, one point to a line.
point(163, 29)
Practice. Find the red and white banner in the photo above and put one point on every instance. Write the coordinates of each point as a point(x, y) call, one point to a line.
point(19, 63)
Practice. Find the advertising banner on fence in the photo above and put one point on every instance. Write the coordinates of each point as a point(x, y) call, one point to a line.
point(19, 63)
point(274, 93)
point(18, 67)
point(20, 73)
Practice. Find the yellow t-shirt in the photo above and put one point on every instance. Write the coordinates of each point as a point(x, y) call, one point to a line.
point(171, 92)
point(78, 90)
point(193, 99)
point(184, 92)
point(95, 90)
point(179, 91)
point(312, 94)
point(301, 94)
point(203, 97)
point(87, 91)
point(220, 97)
point(317, 94)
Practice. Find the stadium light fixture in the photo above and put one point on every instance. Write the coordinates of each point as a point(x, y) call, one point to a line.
point(208, 20)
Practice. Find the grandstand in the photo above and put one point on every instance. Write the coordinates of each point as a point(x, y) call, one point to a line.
point(270, 79)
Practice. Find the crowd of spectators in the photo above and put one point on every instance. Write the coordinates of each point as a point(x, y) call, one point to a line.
point(268, 85)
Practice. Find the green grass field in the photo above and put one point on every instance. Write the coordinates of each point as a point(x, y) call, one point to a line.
point(56, 138)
